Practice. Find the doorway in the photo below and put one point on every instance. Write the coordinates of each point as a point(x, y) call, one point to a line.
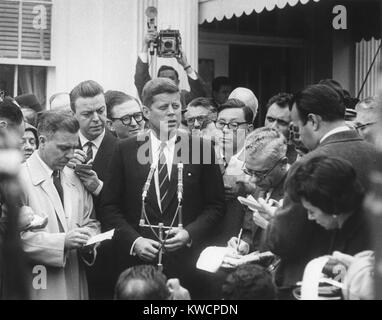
point(266, 71)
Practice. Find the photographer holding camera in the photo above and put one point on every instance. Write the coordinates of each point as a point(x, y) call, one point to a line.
point(142, 75)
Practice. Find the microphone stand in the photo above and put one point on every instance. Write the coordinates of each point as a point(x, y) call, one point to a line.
point(145, 222)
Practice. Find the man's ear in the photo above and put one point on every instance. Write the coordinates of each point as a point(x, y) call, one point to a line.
point(146, 112)
point(42, 140)
point(3, 124)
point(109, 125)
point(250, 128)
point(315, 120)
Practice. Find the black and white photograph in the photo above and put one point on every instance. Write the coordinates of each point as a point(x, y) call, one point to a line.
point(204, 151)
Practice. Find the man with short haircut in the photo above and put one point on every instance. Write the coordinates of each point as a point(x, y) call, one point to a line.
point(367, 117)
point(279, 117)
point(266, 164)
point(53, 190)
point(142, 76)
point(11, 118)
point(249, 282)
point(143, 282)
point(60, 102)
point(234, 122)
point(125, 113)
point(318, 111)
point(162, 148)
point(221, 89)
point(89, 108)
point(200, 116)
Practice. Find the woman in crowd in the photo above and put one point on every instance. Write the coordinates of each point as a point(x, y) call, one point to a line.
point(29, 141)
point(330, 192)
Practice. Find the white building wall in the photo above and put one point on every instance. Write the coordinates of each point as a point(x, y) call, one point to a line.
point(100, 39)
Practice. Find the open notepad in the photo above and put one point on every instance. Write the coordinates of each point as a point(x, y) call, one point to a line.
point(101, 237)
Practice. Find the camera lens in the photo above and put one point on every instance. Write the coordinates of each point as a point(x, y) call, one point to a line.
point(168, 44)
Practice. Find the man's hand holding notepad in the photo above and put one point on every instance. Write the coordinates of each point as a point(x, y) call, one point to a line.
point(100, 237)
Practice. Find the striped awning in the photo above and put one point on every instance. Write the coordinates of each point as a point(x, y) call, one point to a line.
point(219, 9)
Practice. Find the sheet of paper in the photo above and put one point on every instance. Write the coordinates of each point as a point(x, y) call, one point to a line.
point(312, 277)
point(101, 237)
point(211, 258)
point(250, 202)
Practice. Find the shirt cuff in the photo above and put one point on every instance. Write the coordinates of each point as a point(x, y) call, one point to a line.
point(132, 253)
point(144, 57)
point(99, 188)
point(193, 75)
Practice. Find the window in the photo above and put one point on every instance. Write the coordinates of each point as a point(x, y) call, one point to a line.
point(25, 46)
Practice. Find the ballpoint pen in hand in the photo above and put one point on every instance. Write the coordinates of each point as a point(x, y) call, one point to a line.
point(239, 239)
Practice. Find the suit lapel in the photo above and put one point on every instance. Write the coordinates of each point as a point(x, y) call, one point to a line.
point(173, 187)
point(144, 170)
point(39, 177)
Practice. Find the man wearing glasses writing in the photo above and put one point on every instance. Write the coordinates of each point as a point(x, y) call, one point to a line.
point(266, 164)
point(125, 113)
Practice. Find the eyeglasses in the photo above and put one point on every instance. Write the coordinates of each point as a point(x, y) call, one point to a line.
point(231, 125)
point(361, 127)
point(202, 120)
point(260, 175)
point(126, 120)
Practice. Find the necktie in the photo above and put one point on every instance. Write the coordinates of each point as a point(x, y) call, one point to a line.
point(164, 180)
point(57, 184)
point(89, 152)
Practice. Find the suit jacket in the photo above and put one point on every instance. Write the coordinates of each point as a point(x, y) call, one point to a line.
point(142, 76)
point(252, 233)
point(296, 239)
point(121, 203)
point(100, 276)
point(66, 277)
point(102, 159)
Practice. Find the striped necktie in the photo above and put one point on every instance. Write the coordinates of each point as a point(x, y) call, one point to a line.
point(164, 181)
point(89, 152)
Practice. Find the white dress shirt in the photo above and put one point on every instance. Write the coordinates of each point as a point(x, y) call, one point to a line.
point(169, 155)
point(96, 144)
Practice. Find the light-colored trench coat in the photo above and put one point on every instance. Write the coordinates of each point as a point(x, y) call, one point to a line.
point(66, 278)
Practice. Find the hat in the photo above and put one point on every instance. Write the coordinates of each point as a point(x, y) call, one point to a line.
point(29, 100)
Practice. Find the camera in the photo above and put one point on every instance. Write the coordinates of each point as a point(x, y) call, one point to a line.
point(168, 43)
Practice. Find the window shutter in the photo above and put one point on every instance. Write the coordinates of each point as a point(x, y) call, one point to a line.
point(9, 26)
point(36, 30)
point(35, 42)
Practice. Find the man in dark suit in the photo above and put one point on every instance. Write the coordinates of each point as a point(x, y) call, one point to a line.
point(87, 101)
point(203, 193)
point(319, 113)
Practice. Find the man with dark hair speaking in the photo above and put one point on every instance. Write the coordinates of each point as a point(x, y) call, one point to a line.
point(319, 113)
point(162, 148)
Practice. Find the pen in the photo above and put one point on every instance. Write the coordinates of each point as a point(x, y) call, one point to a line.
point(238, 239)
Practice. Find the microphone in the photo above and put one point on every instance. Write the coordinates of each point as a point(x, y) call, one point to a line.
point(148, 181)
point(146, 189)
point(180, 182)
